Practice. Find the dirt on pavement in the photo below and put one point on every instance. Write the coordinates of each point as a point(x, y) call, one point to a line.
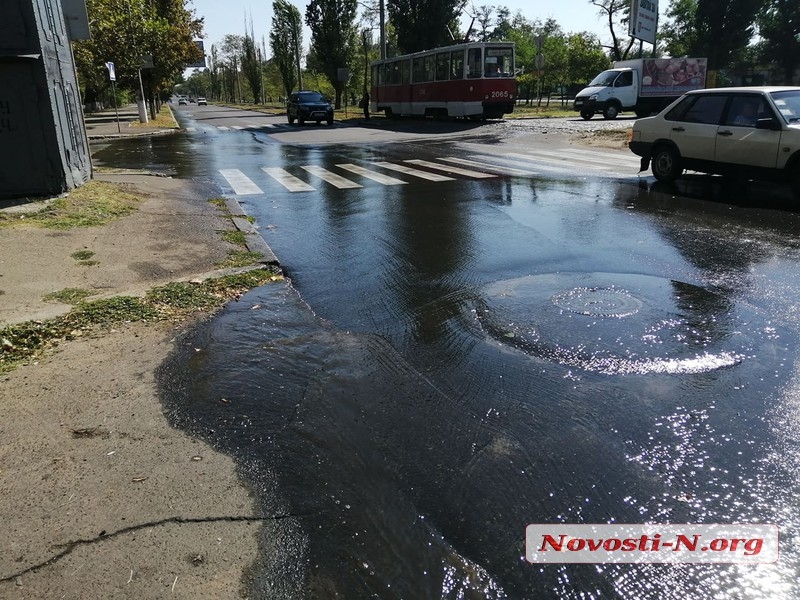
point(99, 496)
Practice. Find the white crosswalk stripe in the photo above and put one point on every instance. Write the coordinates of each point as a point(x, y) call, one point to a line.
point(413, 172)
point(332, 178)
point(450, 169)
point(287, 180)
point(476, 166)
point(242, 185)
point(379, 177)
point(487, 166)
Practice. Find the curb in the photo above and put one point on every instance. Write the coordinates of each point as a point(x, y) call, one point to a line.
point(254, 242)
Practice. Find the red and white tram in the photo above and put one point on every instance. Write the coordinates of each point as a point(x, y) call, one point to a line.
point(473, 80)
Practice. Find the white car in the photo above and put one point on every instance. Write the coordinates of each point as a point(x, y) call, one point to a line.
point(746, 132)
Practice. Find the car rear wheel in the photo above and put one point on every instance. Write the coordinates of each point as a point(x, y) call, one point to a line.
point(291, 119)
point(794, 182)
point(330, 121)
point(586, 115)
point(611, 111)
point(301, 121)
point(666, 164)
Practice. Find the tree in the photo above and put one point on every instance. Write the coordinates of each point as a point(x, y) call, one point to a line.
point(724, 29)
point(123, 31)
point(779, 27)
point(678, 34)
point(422, 25)
point(251, 64)
point(333, 39)
point(719, 31)
point(616, 13)
point(286, 41)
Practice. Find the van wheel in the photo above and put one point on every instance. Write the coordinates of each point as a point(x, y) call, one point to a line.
point(666, 164)
point(586, 115)
point(611, 111)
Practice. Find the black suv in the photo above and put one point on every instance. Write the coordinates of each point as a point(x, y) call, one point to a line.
point(309, 106)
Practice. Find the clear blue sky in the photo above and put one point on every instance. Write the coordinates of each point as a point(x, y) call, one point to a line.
point(228, 16)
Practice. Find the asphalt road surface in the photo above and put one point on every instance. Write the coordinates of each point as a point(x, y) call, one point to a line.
point(487, 327)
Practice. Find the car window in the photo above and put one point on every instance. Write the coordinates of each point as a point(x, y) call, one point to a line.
point(705, 109)
point(310, 97)
point(745, 110)
point(677, 111)
point(625, 79)
point(788, 103)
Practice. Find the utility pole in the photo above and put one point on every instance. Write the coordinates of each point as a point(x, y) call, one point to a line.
point(383, 29)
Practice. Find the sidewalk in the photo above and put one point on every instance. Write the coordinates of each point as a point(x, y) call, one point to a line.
point(124, 122)
point(100, 497)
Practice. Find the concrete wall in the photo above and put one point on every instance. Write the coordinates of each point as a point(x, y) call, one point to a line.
point(43, 145)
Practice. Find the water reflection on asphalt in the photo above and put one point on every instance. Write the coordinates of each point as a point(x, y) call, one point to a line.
point(451, 365)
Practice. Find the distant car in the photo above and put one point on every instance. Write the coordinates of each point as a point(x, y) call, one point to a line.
point(191, 100)
point(182, 101)
point(202, 102)
point(309, 106)
point(749, 132)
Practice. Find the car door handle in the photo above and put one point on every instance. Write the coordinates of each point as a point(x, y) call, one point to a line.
point(678, 129)
point(726, 133)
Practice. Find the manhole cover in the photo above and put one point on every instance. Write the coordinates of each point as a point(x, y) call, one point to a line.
point(598, 302)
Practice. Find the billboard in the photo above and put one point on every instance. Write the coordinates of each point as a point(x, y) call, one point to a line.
point(644, 20)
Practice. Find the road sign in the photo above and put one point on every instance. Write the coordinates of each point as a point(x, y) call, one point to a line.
point(538, 62)
point(112, 76)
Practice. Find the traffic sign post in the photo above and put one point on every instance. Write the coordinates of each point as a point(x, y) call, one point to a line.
point(112, 76)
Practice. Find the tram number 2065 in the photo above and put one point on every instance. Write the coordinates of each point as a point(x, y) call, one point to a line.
point(499, 94)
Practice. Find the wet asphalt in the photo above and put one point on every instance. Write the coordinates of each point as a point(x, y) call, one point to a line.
point(451, 360)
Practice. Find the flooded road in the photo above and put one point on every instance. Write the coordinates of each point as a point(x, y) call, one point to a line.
point(455, 359)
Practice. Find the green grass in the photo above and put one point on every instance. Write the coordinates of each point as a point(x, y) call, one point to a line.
point(69, 295)
point(27, 341)
point(95, 203)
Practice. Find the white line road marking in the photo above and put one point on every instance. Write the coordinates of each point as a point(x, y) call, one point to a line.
point(287, 180)
point(237, 127)
point(487, 166)
point(358, 170)
point(191, 129)
point(413, 172)
point(223, 128)
point(242, 185)
point(450, 169)
point(332, 178)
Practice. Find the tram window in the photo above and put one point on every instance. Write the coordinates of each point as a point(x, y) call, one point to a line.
point(377, 75)
point(418, 71)
point(499, 62)
point(430, 67)
point(405, 71)
point(492, 68)
point(443, 66)
point(395, 73)
point(457, 65)
point(474, 63)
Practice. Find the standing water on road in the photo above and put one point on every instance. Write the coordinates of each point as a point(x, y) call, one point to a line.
point(451, 363)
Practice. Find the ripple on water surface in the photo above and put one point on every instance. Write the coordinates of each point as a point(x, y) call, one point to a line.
point(616, 323)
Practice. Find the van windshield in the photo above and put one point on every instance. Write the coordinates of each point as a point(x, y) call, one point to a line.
point(606, 78)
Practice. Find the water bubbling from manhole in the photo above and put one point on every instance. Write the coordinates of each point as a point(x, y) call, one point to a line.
point(598, 302)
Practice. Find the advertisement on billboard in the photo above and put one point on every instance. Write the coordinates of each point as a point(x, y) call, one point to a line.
point(644, 20)
point(672, 76)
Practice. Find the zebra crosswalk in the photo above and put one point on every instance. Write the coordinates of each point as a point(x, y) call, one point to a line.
point(474, 166)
